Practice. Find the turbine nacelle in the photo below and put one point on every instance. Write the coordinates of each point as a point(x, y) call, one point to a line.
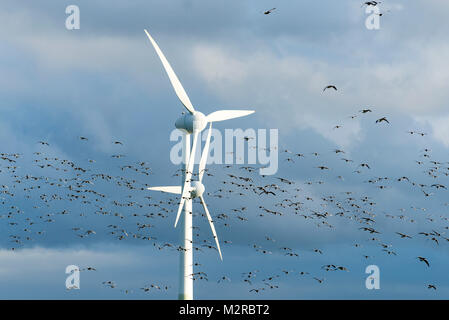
point(190, 122)
point(196, 189)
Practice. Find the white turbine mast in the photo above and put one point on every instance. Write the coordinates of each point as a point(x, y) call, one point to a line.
point(191, 123)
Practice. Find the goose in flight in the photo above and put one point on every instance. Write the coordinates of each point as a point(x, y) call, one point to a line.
point(403, 235)
point(422, 259)
point(319, 280)
point(269, 11)
point(365, 165)
point(383, 119)
point(330, 87)
point(370, 3)
point(89, 269)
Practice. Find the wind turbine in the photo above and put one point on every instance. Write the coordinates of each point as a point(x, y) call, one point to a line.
point(191, 123)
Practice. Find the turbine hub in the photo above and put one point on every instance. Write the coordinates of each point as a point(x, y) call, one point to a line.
point(190, 122)
point(197, 189)
point(199, 121)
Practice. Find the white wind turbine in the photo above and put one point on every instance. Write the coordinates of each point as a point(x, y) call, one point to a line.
point(191, 123)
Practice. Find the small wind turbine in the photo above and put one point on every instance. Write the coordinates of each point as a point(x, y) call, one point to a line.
point(191, 123)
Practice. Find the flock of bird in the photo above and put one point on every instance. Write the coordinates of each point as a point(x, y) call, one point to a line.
point(121, 203)
point(110, 198)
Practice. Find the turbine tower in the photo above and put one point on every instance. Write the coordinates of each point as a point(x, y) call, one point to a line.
point(191, 123)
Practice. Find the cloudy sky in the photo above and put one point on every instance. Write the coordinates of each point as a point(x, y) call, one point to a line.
point(105, 82)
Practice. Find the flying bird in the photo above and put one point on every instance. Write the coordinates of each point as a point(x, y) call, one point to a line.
point(383, 119)
point(269, 11)
point(330, 87)
point(422, 259)
point(370, 3)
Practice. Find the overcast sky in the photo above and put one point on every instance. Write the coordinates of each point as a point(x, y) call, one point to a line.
point(105, 82)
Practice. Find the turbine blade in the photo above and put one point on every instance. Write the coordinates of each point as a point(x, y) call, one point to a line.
point(212, 227)
point(185, 190)
point(180, 92)
point(203, 160)
point(181, 205)
point(227, 114)
point(168, 189)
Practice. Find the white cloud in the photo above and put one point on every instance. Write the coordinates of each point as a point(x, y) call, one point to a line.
point(439, 126)
point(288, 88)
